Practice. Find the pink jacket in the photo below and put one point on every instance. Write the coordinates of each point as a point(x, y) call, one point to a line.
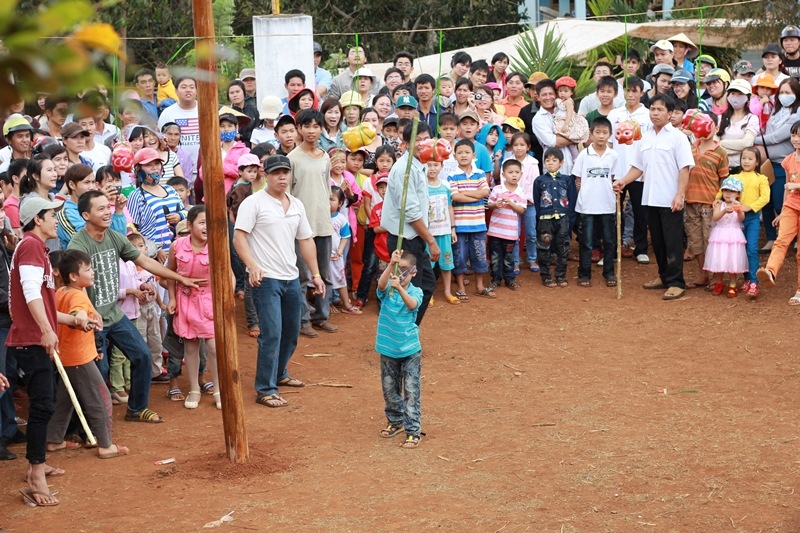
point(762, 111)
point(128, 280)
point(352, 208)
point(230, 165)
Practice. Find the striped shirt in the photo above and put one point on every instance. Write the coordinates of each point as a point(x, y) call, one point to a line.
point(709, 170)
point(148, 213)
point(397, 333)
point(469, 216)
point(169, 167)
point(504, 222)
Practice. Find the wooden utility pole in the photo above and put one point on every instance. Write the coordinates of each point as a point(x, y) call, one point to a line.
point(218, 246)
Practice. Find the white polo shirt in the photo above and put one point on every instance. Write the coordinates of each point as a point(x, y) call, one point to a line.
point(661, 157)
point(272, 232)
point(543, 126)
point(596, 196)
point(625, 152)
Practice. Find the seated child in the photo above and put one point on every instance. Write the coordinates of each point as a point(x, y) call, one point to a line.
point(397, 342)
point(507, 203)
point(440, 225)
point(78, 353)
point(567, 122)
point(468, 188)
point(551, 198)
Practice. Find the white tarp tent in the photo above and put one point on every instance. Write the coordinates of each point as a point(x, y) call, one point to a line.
point(580, 36)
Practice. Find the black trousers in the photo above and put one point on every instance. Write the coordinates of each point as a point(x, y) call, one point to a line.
point(553, 233)
point(635, 189)
point(666, 236)
point(424, 279)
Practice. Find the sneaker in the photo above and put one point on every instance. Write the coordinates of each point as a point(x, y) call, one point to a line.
point(766, 277)
point(161, 378)
point(627, 252)
point(358, 303)
point(643, 259)
point(600, 263)
point(307, 331)
point(767, 248)
point(752, 291)
point(325, 326)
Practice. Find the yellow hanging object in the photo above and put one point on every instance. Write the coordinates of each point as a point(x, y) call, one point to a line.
point(359, 136)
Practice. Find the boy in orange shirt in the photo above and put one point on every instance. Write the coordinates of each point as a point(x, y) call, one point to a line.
point(78, 355)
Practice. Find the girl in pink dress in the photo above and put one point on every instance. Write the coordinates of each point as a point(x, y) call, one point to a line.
point(726, 252)
point(193, 308)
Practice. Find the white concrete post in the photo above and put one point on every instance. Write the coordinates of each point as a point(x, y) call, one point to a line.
point(282, 43)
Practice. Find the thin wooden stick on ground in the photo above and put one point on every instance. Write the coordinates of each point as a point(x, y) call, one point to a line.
point(619, 247)
point(74, 399)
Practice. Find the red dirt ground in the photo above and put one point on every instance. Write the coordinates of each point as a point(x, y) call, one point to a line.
point(542, 411)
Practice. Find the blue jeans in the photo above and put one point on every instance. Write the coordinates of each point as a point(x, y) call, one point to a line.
point(752, 229)
point(8, 423)
point(35, 371)
point(775, 203)
point(529, 221)
point(470, 246)
point(401, 391)
point(606, 225)
point(127, 338)
point(239, 272)
point(280, 306)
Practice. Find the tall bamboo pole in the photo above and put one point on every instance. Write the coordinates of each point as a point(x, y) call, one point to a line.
point(217, 220)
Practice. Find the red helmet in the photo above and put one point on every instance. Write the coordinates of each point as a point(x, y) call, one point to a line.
point(566, 81)
point(146, 155)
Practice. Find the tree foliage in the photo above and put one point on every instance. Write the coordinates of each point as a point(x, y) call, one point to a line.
point(407, 26)
point(55, 49)
point(762, 20)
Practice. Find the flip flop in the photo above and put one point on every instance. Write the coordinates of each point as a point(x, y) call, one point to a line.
point(273, 400)
point(486, 293)
point(146, 416)
point(28, 494)
point(121, 450)
point(254, 332)
point(68, 445)
point(291, 382)
point(452, 300)
point(461, 295)
point(696, 285)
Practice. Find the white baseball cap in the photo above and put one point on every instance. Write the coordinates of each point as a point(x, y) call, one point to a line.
point(663, 44)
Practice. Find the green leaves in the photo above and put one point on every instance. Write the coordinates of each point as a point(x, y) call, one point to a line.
point(52, 48)
point(546, 55)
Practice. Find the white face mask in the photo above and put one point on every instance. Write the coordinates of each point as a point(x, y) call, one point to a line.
point(786, 100)
point(737, 101)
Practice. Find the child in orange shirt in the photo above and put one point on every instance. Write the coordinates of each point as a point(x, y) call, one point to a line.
point(78, 355)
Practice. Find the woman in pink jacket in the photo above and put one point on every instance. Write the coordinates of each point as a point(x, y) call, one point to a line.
point(232, 150)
